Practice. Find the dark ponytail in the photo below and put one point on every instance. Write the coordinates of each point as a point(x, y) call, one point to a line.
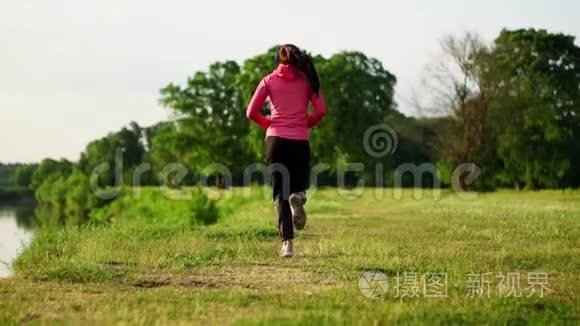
point(292, 55)
point(307, 67)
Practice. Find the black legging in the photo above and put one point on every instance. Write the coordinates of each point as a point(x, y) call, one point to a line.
point(291, 156)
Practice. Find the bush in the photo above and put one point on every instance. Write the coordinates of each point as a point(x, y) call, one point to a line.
point(52, 191)
point(66, 199)
point(202, 209)
point(186, 207)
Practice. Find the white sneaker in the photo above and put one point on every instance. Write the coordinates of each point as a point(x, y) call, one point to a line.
point(297, 201)
point(287, 249)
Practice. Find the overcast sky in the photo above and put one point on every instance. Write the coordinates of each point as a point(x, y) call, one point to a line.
point(73, 70)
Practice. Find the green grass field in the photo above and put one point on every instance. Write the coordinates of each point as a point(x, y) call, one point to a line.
point(229, 272)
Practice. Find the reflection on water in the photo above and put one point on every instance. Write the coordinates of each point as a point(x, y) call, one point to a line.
point(17, 225)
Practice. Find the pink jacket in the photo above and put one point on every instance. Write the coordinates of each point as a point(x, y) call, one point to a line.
point(289, 92)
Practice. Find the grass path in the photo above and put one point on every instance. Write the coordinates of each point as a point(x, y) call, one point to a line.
point(230, 272)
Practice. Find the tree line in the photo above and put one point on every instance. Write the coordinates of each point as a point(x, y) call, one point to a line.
point(511, 106)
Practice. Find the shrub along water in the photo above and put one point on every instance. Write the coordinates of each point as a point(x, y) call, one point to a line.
point(151, 205)
point(69, 200)
point(66, 199)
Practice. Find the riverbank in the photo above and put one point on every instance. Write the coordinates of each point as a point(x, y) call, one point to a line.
point(17, 225)
point(138, 272)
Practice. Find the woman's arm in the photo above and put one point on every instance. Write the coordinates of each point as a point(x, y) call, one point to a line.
point(258, 100)
point(319, 110)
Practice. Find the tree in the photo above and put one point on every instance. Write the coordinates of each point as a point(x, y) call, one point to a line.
point(23, 175)
point(49, 167)
point(359, 94)
point(171, 145)
point(213, 118)
point(462, 85)
point(538, 107)
point(127, 141)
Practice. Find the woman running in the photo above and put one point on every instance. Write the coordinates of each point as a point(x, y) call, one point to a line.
point(290, 88)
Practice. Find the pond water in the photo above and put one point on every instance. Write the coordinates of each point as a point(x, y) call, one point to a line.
point(17, 225)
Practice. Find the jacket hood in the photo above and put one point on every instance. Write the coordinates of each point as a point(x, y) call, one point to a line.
point(286, 72)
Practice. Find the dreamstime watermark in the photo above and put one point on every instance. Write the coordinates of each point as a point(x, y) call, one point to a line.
point(375, 284)
point(378, 142)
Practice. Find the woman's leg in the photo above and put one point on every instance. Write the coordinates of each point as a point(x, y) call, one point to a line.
point(275, 154)
point(285, 226)
point(299, 181)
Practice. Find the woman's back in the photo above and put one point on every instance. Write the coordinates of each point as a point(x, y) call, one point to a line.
point(289, 91)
